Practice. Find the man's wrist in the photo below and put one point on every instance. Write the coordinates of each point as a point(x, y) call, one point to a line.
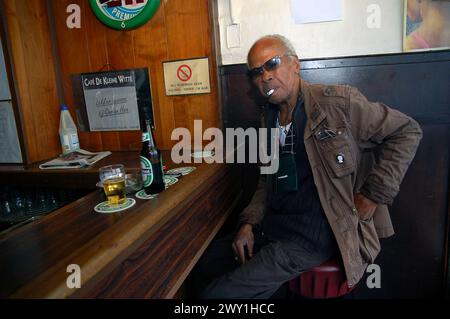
point(247, 225)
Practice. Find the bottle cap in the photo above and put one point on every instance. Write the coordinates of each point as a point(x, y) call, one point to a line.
point(64, 107)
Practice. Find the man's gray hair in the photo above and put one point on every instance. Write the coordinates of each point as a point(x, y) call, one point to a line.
point(290, 50)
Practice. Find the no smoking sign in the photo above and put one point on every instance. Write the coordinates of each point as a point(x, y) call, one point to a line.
point(184, 73)
point(187, 77)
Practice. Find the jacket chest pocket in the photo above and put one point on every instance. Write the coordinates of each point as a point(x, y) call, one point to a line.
point(336, 150)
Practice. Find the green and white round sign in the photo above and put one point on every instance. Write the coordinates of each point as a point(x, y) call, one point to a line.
point(124, 14)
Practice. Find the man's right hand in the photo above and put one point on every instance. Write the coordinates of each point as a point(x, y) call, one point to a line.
point(244, 238)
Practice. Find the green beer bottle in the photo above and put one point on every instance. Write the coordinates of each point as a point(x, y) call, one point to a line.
point(151, 162)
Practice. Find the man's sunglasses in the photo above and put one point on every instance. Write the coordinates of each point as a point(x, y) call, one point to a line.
point(269, 65)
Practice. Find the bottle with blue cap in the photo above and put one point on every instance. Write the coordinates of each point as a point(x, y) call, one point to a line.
point(68, 133)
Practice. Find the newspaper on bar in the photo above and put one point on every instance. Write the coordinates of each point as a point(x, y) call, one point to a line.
point(77, 159)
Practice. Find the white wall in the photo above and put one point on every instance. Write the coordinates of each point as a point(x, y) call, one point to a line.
point(351, 36)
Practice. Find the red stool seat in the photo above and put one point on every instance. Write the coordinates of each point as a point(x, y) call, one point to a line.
point(325, 281)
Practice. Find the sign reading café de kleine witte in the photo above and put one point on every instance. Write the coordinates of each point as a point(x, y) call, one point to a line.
point(124, 14)
point(111, 100)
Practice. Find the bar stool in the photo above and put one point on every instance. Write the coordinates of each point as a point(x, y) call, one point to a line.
point(325, 281)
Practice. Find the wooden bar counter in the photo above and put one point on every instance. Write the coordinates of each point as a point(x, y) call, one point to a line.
point(146, 251)
point(19, 175)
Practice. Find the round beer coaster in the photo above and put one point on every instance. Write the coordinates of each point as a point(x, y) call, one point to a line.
point(181, 170)
point(202, 154)
point(169, 181)
point(106, 208)
point(143, 195)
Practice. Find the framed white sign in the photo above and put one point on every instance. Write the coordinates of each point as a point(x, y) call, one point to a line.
point(187, 77)
point(113, 100)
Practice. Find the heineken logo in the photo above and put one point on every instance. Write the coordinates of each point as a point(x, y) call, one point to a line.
point(124, 14)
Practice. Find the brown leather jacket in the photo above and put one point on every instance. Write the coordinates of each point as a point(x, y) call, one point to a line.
point(378, 144)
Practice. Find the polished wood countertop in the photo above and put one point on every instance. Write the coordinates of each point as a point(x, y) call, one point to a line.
point(18, 175)
point(160, 239)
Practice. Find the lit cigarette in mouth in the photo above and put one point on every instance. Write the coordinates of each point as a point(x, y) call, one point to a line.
point(270, 92)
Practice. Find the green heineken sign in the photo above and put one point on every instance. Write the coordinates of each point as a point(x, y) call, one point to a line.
point(124, 14)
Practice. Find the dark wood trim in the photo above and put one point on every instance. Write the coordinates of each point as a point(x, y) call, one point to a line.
point(356, 61)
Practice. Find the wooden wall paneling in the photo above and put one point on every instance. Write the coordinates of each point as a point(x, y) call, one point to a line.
point(31, 55)
point(184, 24)
point(17, 55)
point(214, 31)
point(11, 80)
point(75, 57)
point(43, 110)
point(181, 106)
point(179, 30)
point(87, 50)
point(120, 49)
point(150, 50)
point(212, 103)
point(166, 104)
point(189, 36)
point(98, 58)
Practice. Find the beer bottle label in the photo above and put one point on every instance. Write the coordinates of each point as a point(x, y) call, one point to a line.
point(147, 171)
point(145, 136)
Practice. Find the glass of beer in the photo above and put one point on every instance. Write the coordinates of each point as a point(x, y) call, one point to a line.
point(113, 180)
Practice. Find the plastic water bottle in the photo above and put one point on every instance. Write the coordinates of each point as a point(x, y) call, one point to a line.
point(67, 132)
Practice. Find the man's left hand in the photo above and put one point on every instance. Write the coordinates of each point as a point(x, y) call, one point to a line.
point(365, 207)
